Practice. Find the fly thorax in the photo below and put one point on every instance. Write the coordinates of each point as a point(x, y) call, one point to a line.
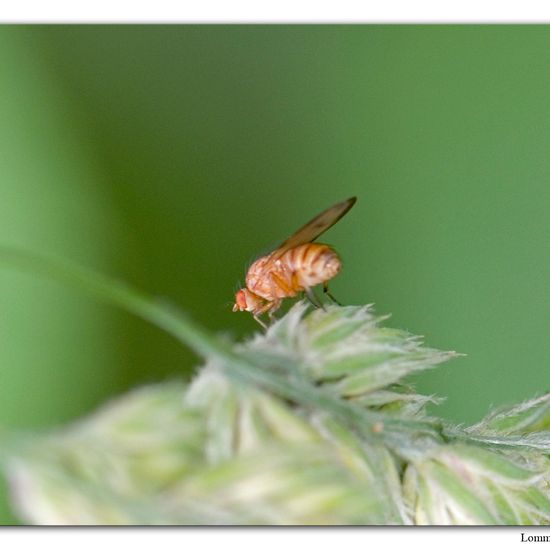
point(258, 279)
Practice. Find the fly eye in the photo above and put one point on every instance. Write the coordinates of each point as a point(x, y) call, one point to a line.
point(240, 299)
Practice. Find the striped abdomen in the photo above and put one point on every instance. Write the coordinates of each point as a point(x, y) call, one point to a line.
point(299, 268)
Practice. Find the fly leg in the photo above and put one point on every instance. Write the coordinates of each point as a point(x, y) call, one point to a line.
point(269, 308)
point(290, 289)
point(256, 318)
point(278, 284)
point(325, 290)
point(275, 305)
point(313, 299)
point(308, 292)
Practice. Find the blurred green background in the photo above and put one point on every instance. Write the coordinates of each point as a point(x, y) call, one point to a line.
point(171, 156)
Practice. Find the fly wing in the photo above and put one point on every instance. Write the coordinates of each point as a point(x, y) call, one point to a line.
point(315, 227)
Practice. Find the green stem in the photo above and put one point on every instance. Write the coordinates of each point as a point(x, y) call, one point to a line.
point(523, 442)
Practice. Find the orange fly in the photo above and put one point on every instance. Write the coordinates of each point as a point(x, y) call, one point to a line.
point(297, 265)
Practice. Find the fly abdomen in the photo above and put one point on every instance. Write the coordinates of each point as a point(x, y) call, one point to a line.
point(312, 264)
